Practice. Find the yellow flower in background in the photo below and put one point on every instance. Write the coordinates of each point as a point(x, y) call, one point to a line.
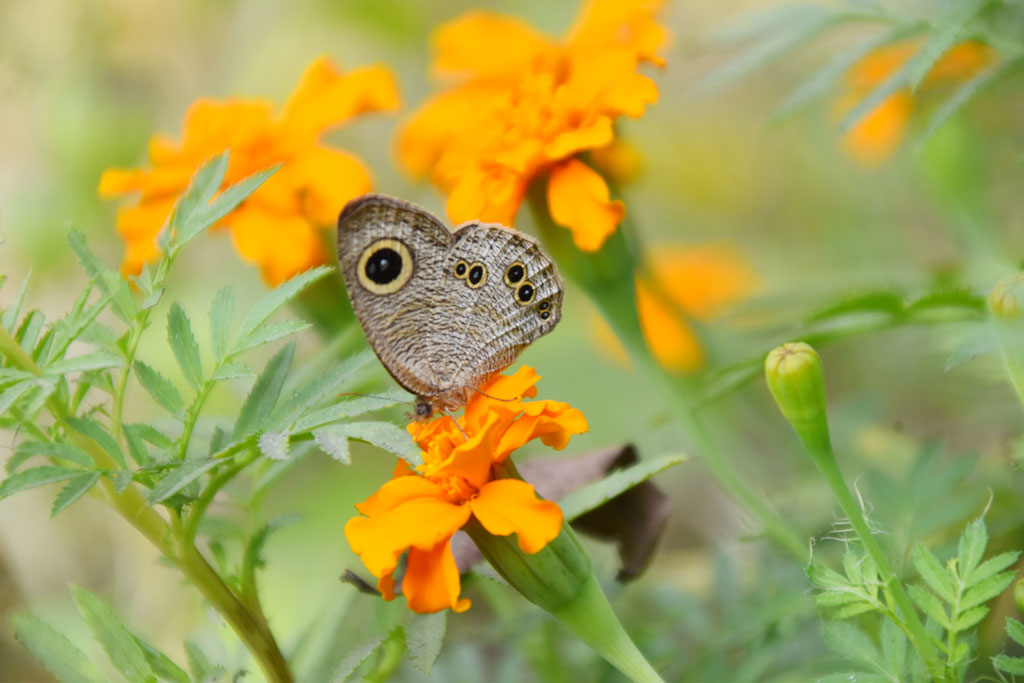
point(875, 137)
point(522, 106)
point(683, 282)
point(278, 227)
point(420, 509)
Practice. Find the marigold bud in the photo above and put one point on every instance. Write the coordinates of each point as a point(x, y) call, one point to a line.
point(1006, 300)
point(797, 383)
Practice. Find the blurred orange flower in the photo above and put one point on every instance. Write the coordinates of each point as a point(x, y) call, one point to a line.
point(420, 509)
point(874, 138)
point(682, 282)
point(522, 106)
point(278, 227)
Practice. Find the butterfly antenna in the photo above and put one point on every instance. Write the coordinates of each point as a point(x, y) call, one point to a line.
point(449, 413)
point(496, 398)
point(382, 398)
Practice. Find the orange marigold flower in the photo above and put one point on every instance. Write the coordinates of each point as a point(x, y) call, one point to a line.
point(278, 227)
point(874, 138)
point(421, 508)
point(523, 106)
point(695, 282)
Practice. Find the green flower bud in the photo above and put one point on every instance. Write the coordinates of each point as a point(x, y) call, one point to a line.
point(797, 383)
point(1006, 300)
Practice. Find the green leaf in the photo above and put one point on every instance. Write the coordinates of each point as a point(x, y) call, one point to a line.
point(1015, 629)
point(201, 668)
point(77, 487)
point(315, 390)
point(264, 394)
point(986, 590)
point(970, 618)
point(35, 476)
point(351, 661)
point(9, 318)
point(136, 448)
point(162, 665)
point(934, 574)
point(204, 184)
point(28, 332)
point(278, 297)
point(269, 333)
point(252, 558)
point(350, 408)
point(948, 30)
point(220, 322)
point(961, 96)
point(110, 282)
point(930, 605)
point(66, 662)
point(231, 371)
point(424, 637)
point(599, 492)
point(819, 83)
point(183, 344)
point(152, 435)
point(180, 477)
point(92, 430)
point(848, 641)
point(971, 547)
point(388, 436)
point(54, 450)
point(206, 216)
point(1010, 665)
point(333, 441)
point(274, 445)
point(10, 395)
point(98, 360)
point(118, 642)
point(894, 648)
point(159, 387)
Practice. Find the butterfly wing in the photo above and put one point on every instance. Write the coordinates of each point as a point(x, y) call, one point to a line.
point(391, 254)
point(517, 298)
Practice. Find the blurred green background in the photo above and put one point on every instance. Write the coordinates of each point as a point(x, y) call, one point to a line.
point(82, 87)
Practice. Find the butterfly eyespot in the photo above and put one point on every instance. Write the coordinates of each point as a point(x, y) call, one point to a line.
point(461, 267)
point(545, 315)
point(385, 266)
point(525, 293)
point(544, 305)
point(477, 275)
point(515, 273)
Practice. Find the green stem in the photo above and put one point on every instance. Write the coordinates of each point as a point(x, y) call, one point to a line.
point(211, 490)
point(191, 416)
point(122, 381)
point(819, 446)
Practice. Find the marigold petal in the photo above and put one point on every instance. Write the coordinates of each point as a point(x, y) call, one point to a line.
point(281, 244)
point(606, 23)
point(482, 43)
point(669, 338)
point(597, 134)
point(607, 81)
point(511, 506)
point(386, 586)
point(327, 179)
point(578, 199)
point(417, 523)
point(553, 422)
point(437, 124)
point(704, 279)
point(242, 125)
point(469, 460)
point(877, 66)
point(877, 135)
point(961, 62)
point(431, 582)
point(138, 226)
point(325, 97)
point(397, 491)
point(486, 195)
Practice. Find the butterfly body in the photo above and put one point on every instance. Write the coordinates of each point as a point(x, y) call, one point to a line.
point(443, 309)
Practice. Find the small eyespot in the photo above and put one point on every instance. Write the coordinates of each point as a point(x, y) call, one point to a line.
point(515, 273)
point(477, 275)
point(525, 293)
point(460, 269)
point(384, 266)
point(545, 315)
point(544, 305)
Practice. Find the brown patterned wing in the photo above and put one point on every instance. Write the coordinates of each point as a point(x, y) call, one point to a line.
point(391, 254)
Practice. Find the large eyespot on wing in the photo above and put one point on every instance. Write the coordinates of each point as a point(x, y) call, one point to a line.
point(385, 266)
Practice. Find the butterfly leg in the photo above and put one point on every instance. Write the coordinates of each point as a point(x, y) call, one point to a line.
point(449, 413)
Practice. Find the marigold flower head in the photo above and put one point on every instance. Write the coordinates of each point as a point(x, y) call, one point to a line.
point(683, 283)
point(877, 135)
point(523, 106)
point(421, 508)
point(278, 227)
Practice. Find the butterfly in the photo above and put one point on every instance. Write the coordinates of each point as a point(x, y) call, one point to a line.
point(444, 310)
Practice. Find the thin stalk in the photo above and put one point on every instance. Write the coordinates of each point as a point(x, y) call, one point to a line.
point(211, 490)
point(122, 381)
